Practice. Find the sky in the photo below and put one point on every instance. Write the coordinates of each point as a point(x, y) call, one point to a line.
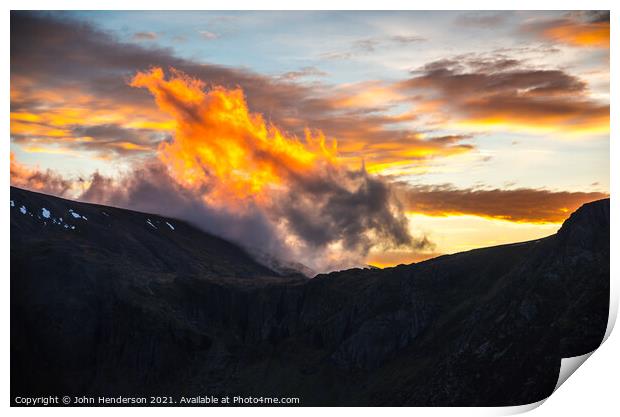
point(334, 139)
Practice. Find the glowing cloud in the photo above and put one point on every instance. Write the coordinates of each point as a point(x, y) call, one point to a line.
point(591, 34)
point(588, 29)
point(217, 136)
point(234, 160)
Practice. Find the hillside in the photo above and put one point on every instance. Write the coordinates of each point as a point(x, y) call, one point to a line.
point(111, 301)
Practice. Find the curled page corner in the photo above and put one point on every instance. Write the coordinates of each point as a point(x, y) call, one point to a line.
point(569, 366)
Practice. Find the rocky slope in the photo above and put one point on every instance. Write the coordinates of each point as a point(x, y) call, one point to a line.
point(136, 304)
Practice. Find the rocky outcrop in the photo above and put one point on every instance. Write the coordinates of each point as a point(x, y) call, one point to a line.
point(120, 306)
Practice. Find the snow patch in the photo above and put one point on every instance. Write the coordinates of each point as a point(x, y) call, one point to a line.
point(170, 226)
point(148, 221)
point(12, 203)
point(23, 209)
point(45, 212)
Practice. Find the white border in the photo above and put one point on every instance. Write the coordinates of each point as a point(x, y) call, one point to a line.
point(592, 390)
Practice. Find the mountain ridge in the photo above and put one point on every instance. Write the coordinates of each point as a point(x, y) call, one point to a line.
point(483, 327)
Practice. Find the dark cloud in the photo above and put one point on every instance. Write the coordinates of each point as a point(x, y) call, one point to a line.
point(101, 189)
point(505, 90)
point(449, 140)
point(497, 63)
point(108, 131)
point(519, 205)
point(103, 140)
point(56, 51)
point(597, 16)
point(323, 210)
point(117, 138)
point(466, 76)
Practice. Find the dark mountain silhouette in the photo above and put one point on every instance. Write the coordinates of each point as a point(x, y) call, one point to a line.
point(110, 301)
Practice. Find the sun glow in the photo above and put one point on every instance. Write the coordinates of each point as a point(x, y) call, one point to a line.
point(589, 35)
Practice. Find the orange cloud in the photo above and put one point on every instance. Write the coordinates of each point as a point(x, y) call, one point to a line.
point(589, 34)
point(588, 29)
point(45, 117)
point(519, 205)
point(63, 124)
point(217, 136)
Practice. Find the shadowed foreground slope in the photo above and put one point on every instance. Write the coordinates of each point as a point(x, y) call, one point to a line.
point(111, 302)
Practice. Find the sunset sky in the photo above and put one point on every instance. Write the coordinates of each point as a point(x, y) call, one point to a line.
point(332, 138)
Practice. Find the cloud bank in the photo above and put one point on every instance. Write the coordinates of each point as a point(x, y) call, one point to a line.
point(518, 205)
point(500, 91)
